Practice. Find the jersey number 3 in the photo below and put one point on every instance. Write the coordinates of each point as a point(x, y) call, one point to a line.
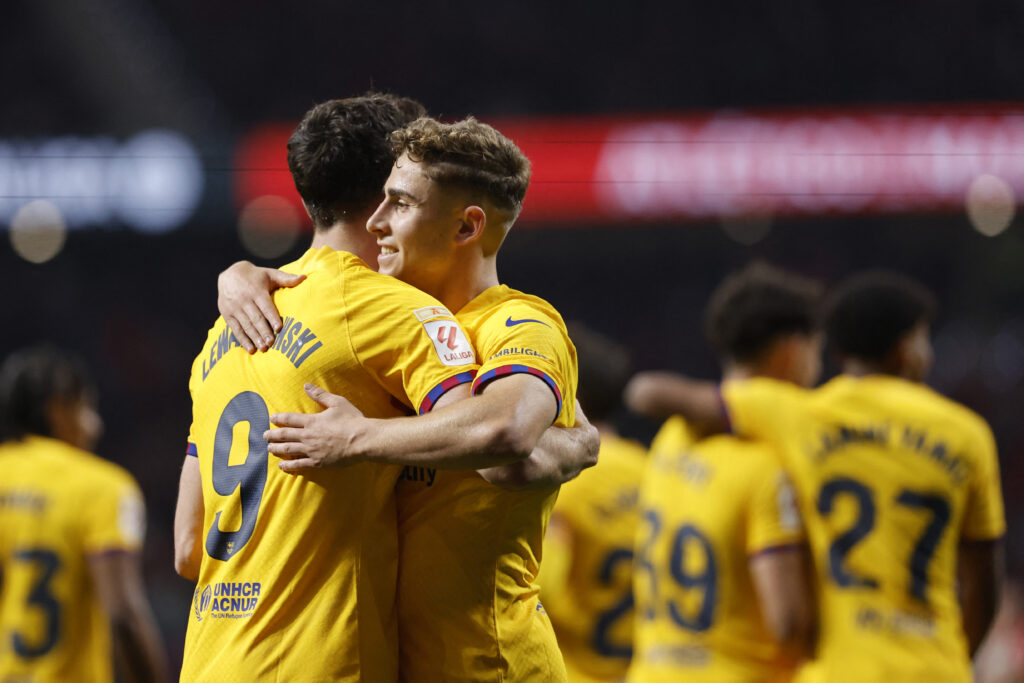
point(249, 477)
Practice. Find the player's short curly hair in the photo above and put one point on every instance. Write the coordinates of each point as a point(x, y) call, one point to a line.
point(468, 155)
point(29, 380)
point(339, 155)
point(754, 307)
point(870, 312)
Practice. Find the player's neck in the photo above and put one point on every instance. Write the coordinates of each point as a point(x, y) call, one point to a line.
point(734, 372)
point(346, 235)
point(467, 282)
point(862, 368)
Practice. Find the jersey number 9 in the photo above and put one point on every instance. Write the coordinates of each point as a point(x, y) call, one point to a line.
point(248, 478)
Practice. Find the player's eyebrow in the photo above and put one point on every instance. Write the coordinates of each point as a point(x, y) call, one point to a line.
point(399, 192)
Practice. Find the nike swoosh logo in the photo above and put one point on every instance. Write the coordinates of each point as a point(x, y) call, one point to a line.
point(510, 322)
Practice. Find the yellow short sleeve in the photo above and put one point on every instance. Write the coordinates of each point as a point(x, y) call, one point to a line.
point(774, 517)
point(527, 339)
point(984, 517)
point(114, 518)
point(406, 339)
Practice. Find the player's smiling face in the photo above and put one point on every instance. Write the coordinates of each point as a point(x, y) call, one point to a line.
point(415, 227)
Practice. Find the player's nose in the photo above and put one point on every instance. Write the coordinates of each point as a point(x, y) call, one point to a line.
point(377, 223)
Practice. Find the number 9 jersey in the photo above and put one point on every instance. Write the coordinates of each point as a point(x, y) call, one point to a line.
point(891, 478)
point(298, 573)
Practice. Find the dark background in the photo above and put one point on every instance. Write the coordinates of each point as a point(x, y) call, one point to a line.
point(137, 307)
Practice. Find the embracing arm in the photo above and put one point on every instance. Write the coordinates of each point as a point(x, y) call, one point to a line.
point(662, 394)
point(188, 521)
point(500, 426)
point(559, 456)
point(243, 299)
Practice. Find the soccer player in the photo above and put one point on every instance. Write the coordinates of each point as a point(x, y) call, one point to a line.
point(898, 485)
point(470, 551)
point(313, 557)
point(721, 588)
point(71, 531)
point(587, 582)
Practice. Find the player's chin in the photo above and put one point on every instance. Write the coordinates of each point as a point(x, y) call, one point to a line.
point(389, 264)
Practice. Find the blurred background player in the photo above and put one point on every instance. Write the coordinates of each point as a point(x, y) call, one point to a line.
point(898, 485)
point(722, 591)
point(587, 582)
point(296, 576)
point(71, 531)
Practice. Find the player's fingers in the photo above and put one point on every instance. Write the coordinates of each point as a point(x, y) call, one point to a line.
point(248, 331)
point(290, 450)
point(282, 279)
point(259, 323)
point(296, 466)
point(324, 397)
point(283, 434)
point(269, 311)
point(240, 336)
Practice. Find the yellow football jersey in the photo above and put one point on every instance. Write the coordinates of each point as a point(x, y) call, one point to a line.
point(590, 602)
point(891, 477)
point(58, 506)
point(708, 506)
point(298, 575)
point(470, 552)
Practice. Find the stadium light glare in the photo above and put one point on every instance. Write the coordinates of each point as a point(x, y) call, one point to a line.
point(990, 204)
point(38, 231)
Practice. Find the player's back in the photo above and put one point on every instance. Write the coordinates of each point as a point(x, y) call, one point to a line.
point(707, 507)
point(469, 607)
point(58, 506)
point(594, 525)
point(892, 477)
point(297, 580)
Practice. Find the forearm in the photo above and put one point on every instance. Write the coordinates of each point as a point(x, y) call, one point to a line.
point(662, 394)
point(980, 585)
point(560, 456)
point(188, 521)
point(473, 434)
point(137, 645)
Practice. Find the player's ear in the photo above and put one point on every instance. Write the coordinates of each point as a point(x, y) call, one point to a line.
point(471, 226)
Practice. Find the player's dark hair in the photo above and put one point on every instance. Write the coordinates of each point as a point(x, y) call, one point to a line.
point(754, 307)
point(29, 380)
point(339, 155)
point(870, 312)
point(604, 368)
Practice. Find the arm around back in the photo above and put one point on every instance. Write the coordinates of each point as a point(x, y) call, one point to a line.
point(559, 456)
point(663, 394)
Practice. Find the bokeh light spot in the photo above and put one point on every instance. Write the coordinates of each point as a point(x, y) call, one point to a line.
point(38, 231)
point(268, 226)
point(990, 204)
